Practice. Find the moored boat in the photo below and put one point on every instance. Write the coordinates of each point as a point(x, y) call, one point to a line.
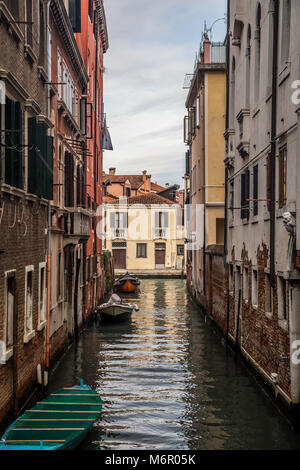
point(115, 310)
point(60, 422)
point(127, 283)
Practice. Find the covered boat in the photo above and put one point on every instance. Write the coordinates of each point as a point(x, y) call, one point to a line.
point(127, 283)
point(115, 310)
point(59, 422)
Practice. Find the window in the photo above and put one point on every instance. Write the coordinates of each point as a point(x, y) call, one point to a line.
point(268, 294)
point(286, 31)
point(75, 15)
point(42, 295)
point(231, 278)
point(245, 180)
point(40, 160)
point(141, 250)
point(161, 224)
point(13, 6)
point(180, 250)
point(42, 35)
point(257, 52)
point(268, 185)
point(232, 95)
point(282, 298)
point(91, 10)
point(282, 163)
point(248, 66)
point(255, 190)
point(118, 220)
point(59, 277)
point(28, 321)
point(246, 284)
point(254, 287)
point(9, 309)
point(29, 19)
point(13, 141)
point(220, 231)
point(192, 121)
point(198, 112)
point(127, 192)
point(69, 180)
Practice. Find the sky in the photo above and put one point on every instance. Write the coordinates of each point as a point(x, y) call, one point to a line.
point(152, 45)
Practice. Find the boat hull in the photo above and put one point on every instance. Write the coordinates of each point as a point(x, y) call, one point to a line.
point(127, 287)
point(60, 422)
point(114, 314)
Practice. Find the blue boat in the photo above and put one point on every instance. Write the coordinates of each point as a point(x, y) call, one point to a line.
point(60, 422)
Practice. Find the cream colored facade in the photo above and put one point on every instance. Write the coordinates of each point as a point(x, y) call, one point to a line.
point(137, 237)
point(204, 129)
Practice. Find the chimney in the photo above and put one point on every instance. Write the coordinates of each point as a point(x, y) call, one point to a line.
point(112, 171)
point(206, 47)
point(144, 175)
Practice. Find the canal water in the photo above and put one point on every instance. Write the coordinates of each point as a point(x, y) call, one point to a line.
point(167, 382)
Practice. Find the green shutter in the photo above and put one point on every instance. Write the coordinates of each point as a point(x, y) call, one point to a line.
point(49, 169)
point(31, 155)
point(9, 111)
point(18, 154)
point(13, 141)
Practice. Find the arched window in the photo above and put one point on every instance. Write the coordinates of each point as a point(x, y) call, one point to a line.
point(232, 94)
point(42, 35)
point(286, 31)
point(248, 66)
point(257, 52)
point(271, 40)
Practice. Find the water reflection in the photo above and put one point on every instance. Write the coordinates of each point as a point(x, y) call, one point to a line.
point(167, 382)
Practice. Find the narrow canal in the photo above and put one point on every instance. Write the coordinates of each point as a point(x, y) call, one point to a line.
point(167, 382)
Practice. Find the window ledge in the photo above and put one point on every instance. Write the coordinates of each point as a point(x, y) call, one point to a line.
point(29, 336)
point(246, 301)
point(6, 356)
point(269, 315)
point(283, 324)
point(255, 307)
point(42, 325)
point(12, 27)
point(256, 110)
point(29, 54)
point(245, 221)
point(254, 219)
point(42, 72)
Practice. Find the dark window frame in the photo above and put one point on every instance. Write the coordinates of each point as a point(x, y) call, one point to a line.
point(143, 250)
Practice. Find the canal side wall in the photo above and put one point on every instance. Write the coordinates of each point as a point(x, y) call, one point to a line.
point(262, 340)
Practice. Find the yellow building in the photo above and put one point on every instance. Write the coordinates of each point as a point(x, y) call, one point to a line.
point(144, 233)
point(204, 128)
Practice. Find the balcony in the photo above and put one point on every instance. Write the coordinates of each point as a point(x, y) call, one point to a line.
point(159, 232)
point(119, 233)
point(77, 224)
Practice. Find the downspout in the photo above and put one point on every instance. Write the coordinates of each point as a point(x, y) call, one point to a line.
point(48, 266)
point(227, 126)
point(95, 147)
point(226, 169)
point(273, 144)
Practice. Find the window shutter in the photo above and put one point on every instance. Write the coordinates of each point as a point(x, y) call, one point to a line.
point(242, 195)
point(31, 156)
point(247, 193)
point(9, 141)
point(69, 180)
point(49, 168)
point(156, 219)
point(255, 189)
point(112, 220)
point(75, 15)
point(165, 219)
point(41, 160)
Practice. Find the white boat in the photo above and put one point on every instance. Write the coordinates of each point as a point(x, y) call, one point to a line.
point(115, 310)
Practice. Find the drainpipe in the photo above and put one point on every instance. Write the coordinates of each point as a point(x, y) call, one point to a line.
point(47, 359)
point(48, 266)
point(95, 146)
point(227, 126)
point(273, 144)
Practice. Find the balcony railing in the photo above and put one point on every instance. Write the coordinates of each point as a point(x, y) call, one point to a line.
point(217, 53)
point(119, 233)
point(77, 223)
point(159, 232)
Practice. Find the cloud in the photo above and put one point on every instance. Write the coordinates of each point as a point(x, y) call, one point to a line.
point(152, 47)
